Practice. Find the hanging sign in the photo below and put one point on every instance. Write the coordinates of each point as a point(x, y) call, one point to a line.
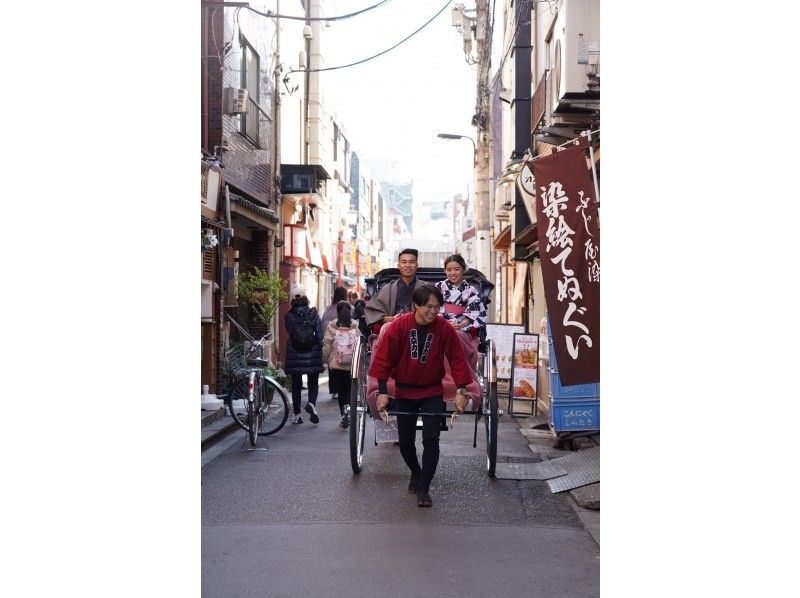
point(569, 248)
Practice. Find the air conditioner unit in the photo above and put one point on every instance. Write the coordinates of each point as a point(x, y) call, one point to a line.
point(574, 54)
point(235, 100)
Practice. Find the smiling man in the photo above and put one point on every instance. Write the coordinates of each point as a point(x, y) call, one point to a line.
point(394, 297)
point(412, 352)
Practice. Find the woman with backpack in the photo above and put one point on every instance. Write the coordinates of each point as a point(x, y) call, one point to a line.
point(337, 351)
point(328, 316)
point(303, 352)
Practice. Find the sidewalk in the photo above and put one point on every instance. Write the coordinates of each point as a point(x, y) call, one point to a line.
point(542, 442)
point(217, 425)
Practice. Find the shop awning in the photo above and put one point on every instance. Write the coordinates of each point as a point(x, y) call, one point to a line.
point(503, 240)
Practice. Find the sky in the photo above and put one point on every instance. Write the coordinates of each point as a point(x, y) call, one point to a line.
point(393, 106)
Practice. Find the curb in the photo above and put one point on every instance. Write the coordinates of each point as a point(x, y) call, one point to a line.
point(215, 427)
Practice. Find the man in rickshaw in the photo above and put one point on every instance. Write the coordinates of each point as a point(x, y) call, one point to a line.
point(412, 352)
point(394, 297)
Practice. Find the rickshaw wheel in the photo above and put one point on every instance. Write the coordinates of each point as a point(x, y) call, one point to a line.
point(490, 421)
point(358, 406)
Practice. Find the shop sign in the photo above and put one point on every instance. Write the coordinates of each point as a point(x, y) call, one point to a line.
point(569, 246)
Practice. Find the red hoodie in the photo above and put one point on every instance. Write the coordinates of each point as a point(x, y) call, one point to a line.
point(417, 368)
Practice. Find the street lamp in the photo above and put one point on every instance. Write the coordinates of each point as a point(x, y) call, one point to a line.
point(452, 136)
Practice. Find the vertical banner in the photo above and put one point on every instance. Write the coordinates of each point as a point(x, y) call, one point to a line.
point(569, 248)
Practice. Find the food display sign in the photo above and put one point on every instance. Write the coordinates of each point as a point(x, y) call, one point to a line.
point(502, 336)
point(524, 367)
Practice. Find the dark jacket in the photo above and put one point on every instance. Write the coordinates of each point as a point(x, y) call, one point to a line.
point(303, 362)
point(329, 315)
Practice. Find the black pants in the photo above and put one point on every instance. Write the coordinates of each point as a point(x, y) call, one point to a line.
point(332, 382)
point(297, 389)
point(341, 379)
point(407, 435)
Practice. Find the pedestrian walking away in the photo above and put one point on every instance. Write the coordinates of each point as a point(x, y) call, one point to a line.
point(413, 353)
point(337, 351)
point(328, 316)
point(303, 352)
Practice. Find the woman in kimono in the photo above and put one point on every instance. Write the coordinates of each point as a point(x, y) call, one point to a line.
point(462, 306)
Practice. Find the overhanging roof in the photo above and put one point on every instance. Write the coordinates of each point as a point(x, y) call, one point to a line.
point(527, 236)
point(503, 240)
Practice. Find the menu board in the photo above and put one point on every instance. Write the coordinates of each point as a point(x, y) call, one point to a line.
point(502, 336)
point(525, 366)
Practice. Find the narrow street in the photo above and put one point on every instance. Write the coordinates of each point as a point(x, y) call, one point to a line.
point(295, 521)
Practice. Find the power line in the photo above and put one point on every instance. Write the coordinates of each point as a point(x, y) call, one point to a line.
point(271, 14)
point(343, 66)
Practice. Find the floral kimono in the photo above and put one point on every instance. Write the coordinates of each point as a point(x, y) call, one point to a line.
point(462, 301)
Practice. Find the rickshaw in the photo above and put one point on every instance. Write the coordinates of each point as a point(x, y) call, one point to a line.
point(485, 373)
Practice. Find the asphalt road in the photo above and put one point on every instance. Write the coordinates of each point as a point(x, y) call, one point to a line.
point(295, 521)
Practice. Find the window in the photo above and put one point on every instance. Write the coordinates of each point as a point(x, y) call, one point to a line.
point(248, 123)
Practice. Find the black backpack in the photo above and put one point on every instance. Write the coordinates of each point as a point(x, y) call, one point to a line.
point(304, 333)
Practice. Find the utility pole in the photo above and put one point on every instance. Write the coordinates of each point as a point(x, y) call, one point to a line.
point(483, 39)
point(480, 26)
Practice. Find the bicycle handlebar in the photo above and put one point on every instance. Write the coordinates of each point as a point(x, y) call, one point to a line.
point(259, 344)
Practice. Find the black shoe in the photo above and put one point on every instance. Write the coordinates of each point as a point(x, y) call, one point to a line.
point(423, 498)
point(345, 421)
point(333, 396)
point(413, 483)
point(312, 413)
point(296, 419)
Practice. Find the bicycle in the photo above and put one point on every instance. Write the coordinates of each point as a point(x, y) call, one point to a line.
point(256, 402)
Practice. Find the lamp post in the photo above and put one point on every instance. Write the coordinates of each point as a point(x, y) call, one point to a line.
point(453, 136)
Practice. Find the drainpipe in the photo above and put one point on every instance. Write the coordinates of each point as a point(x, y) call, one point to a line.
point(228, 207)
point(308, 82)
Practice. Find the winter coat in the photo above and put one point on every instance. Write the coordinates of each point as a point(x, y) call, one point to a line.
point(329, 315)
point(303, 362)
point(328, 355)
point(385, 302)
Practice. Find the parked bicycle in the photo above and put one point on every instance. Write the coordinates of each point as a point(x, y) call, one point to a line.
point(256, 402)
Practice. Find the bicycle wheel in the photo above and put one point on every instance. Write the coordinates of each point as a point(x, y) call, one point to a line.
point(358, 405)
point(253, 420)
point(274, 406)
point(237, 404)
point(490, 421)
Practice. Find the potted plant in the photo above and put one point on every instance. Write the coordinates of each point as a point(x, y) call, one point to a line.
point(263, 292)
point(277, 374)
